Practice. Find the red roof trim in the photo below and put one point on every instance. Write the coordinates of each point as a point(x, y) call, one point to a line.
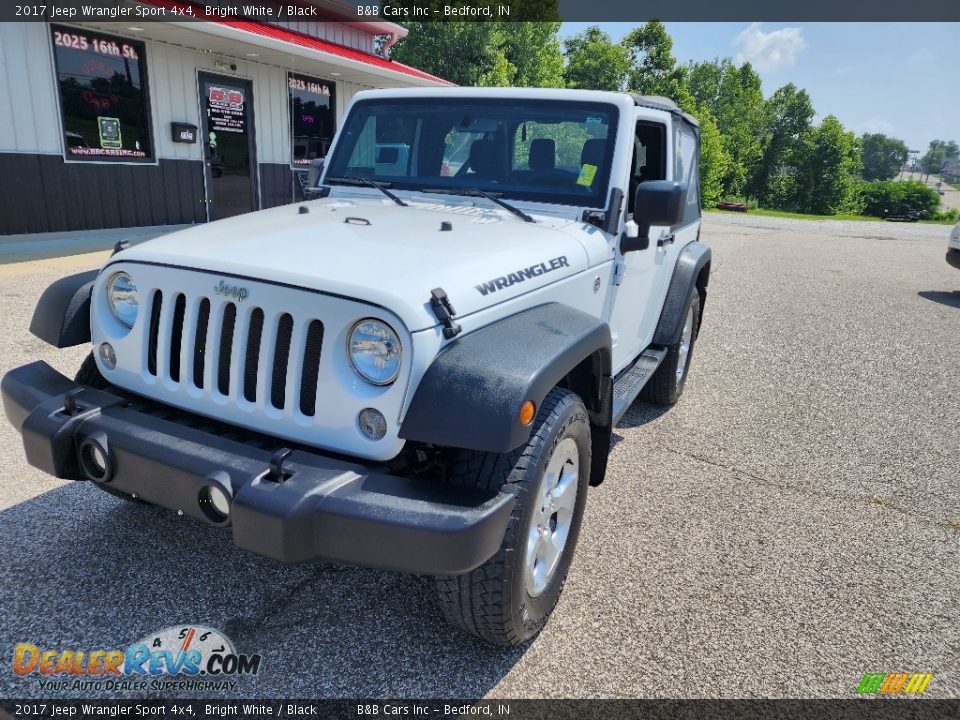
point(295, 38)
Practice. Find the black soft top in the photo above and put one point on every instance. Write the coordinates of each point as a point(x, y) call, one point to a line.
point(658, 102)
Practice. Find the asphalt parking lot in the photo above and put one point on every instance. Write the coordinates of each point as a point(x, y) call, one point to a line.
point(792, 524)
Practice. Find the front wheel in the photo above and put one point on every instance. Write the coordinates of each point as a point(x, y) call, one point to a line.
point(508, 599)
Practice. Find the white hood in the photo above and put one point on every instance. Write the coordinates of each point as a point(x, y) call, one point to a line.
point(488, 255)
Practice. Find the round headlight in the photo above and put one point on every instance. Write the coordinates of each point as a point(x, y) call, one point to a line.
point(374, 351)
point(122, 298)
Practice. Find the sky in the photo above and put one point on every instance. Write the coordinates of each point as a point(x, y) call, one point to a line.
point(901, 79)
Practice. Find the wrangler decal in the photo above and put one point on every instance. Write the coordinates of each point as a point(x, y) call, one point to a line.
point(505, 281)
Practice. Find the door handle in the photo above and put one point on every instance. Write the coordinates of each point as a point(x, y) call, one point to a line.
point(666, 239)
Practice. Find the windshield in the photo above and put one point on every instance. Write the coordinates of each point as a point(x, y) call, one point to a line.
point(544, 151)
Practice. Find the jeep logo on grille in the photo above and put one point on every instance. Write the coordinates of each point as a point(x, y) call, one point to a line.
point(234, 291)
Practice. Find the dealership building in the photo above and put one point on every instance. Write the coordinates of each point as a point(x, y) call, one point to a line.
point(107, 125)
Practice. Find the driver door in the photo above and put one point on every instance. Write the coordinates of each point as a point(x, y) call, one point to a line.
point(636, 306)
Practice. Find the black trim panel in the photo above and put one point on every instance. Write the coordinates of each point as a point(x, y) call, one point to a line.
point(42, 193)
point(62, 315)
point(470, 396)
point(683, 284)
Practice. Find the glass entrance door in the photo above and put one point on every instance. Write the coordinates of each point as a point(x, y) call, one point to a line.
point(226, 109)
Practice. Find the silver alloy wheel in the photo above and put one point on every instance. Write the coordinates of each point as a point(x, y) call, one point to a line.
point(552, 517)
point(686, 338)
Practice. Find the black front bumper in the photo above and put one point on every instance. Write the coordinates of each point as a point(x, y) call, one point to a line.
point(324, 508)
point(953, 257)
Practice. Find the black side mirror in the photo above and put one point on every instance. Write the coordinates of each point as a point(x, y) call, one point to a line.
point(657, 202)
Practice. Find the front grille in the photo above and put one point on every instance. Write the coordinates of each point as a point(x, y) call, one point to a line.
point(241, 348)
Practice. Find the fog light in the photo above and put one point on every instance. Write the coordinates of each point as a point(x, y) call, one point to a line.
point(372, 423)
point(215, 503)
point(95, 460)
point(107, 356)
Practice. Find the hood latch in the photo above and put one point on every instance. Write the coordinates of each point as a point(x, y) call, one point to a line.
point(444, 312)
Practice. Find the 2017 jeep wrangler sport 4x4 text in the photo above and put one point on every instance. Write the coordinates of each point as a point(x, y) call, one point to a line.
point(421, 368)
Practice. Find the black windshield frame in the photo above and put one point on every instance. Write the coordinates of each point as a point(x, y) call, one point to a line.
point(436, 113)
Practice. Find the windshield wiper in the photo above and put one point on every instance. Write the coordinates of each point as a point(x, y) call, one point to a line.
point(476, 192)
point(367, 182)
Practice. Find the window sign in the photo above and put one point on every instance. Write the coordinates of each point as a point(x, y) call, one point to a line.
point(312, 117)
point(225, 110)
point(109, 132)
point(103, 99)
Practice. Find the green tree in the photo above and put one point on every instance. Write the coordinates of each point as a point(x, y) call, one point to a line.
point(734, 97)
point(533, 49)
point(785, 117)
point(882, 156)
point(461, 52)
point(485, 53)
point(654, 69)
point(937, 154)
point(714, 159)
point(594, 61)
point(826, 165)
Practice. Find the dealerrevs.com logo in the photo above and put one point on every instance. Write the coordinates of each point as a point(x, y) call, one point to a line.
point(191, 657)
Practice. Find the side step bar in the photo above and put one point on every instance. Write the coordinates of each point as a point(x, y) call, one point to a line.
point(630, 382)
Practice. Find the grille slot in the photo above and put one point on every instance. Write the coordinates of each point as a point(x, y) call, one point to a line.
point(200, 342)
point(281, 356)
point(252, 356)
point(311, 368)
point(176, 336)
point(226, 348)
point(155, 306)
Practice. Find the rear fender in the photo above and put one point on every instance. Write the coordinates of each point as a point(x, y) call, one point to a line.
point(690, 275)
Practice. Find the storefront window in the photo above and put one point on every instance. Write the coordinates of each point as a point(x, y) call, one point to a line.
point(102, 83)
point(313, 111)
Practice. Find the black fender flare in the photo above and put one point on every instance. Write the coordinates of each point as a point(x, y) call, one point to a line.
point(693, 258)
point(471, 394)
point(62, 315)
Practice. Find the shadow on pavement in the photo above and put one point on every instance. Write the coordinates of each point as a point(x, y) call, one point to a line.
point(85, 570)
point(641, 413)
point(952, 299)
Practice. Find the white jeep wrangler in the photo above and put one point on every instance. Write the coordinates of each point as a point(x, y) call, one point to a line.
point(420, 369)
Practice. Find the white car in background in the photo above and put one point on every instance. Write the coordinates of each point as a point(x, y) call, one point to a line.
point(953, 247)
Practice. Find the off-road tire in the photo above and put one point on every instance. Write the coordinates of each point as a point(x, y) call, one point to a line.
point(492, 602)
point(665, 387)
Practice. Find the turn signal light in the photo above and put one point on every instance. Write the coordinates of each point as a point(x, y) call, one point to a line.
point(527, 412)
